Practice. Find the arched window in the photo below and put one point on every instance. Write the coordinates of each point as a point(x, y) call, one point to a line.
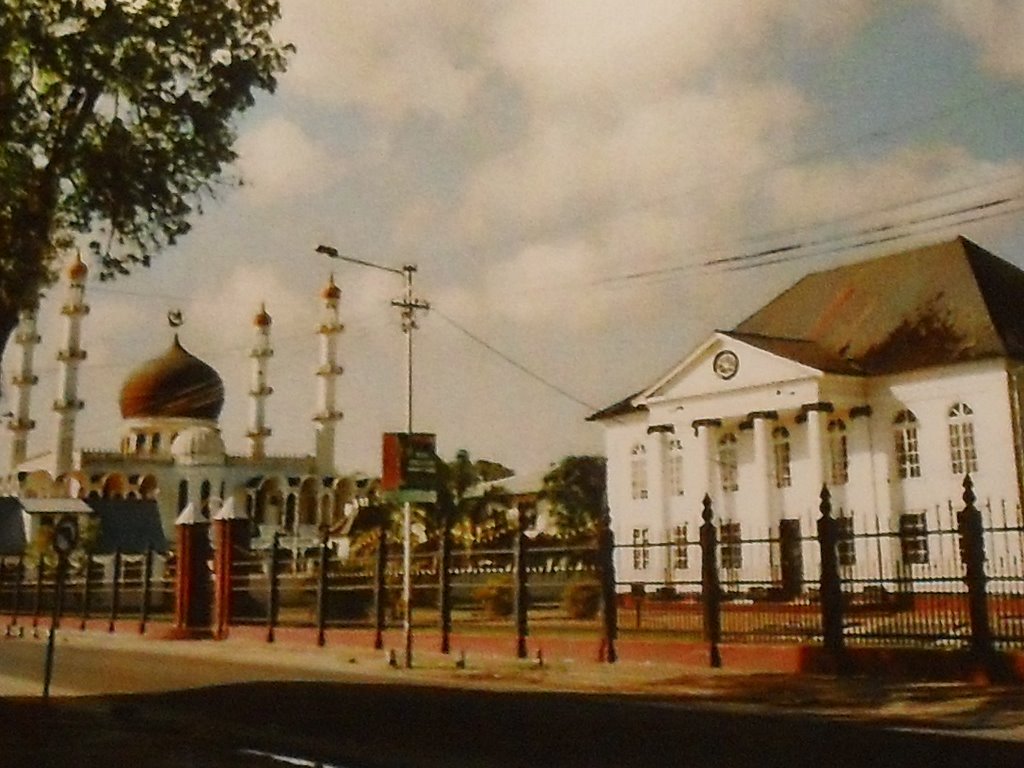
point(638, 471)
point(908, 460)
point(781, 465)
point(728, 463)
point(674, 467)
point(140, 442)
point(839, 459)
point(963, 456)
point(155, 445)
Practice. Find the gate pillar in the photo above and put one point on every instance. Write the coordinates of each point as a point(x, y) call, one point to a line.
point(192, 592)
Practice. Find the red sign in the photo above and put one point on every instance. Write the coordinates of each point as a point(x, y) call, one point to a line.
point(409, 461)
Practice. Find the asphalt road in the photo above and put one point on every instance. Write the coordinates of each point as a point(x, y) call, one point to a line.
point(196, 712)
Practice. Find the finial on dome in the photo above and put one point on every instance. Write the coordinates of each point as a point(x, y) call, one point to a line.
point(331, 291)
point(78, 271)
point(262, 319)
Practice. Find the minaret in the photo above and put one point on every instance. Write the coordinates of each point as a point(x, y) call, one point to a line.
point(67, 405)
point(329, 371)
point(259, 392)
point(21, 423)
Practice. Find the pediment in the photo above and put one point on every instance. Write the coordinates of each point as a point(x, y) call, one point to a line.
point(724, 363)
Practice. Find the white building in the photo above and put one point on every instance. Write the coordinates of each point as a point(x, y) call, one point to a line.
point(885, 380)
point(172, 451)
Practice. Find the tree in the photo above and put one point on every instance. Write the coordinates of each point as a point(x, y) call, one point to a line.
point(116, 120)
point(575, 488)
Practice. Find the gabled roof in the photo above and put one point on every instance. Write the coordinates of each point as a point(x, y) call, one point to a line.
point(950, 302)
point(940, 304)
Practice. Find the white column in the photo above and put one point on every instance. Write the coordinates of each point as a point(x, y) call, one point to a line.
point(328, 414)
point(259, 390)
point(67, 405)
point(764, 487)
point(815, 449)
point(704, 430)
point(21, 424)
point(658, 494)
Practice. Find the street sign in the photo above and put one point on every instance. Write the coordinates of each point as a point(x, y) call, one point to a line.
point(409, 470)
point(65, 535)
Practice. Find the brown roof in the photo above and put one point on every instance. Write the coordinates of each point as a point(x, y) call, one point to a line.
point(944, 303)
point(621, 408)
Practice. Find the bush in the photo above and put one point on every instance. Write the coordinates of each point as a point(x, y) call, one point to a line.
point(496, 598)
point(582, 599)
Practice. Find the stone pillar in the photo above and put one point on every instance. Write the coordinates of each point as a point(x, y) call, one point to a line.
point(192, 593)
point(231, 531)
point(819, 466)
point(764, 485)
point(67, 405)
point(26, 337)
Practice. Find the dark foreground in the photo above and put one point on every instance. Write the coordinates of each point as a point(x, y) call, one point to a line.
point(365, 725)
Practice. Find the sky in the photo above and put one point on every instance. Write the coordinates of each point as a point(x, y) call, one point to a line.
point(587, 187)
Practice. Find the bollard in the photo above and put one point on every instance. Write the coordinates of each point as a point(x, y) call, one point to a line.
point(830, 583)
point(520, 595)
point(972, 538)
point(711, 590)
point(380, 596)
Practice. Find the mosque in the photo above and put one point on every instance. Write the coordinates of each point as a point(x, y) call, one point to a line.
point(172, 452)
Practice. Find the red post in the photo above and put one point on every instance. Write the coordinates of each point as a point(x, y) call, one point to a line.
point(228, 524)
point(192, 586)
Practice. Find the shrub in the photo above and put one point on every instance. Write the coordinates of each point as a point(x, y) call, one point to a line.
point(496, 598)
point(582, 599)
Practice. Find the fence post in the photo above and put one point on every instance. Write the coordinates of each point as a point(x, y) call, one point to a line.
point(115, 596)
point(19, 581)
point(321, 589)
point(273, 586)
point(147, 586)
point(86, 591)
point(380, 595)
point(37, 607)
point(972, 536)
point(711, 590)
point(445, 584)
point(609, 604)
point(830, 584)
point(520, 596)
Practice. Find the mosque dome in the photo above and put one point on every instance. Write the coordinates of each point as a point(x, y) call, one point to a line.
point(176, 384)
point(78, 271)
point(262, 319)
point(198, 445)
point(331, 292)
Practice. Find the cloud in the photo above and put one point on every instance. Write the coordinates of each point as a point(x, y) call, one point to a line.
point(394, 59)
point(280, 162)
point(995, 26)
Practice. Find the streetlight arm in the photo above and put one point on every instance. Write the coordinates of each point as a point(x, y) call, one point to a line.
point(333, 253)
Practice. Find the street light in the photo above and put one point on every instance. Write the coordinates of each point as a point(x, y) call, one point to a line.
point(408, 305)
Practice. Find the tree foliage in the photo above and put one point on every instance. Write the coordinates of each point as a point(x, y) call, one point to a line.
point(575, 488)
point(116, 120)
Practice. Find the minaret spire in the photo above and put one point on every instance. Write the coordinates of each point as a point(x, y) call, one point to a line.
point(260, 391)
point(328, 415)
point(21, 422)
point(67, 405)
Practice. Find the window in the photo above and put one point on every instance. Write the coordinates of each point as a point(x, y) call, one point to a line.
point(728, 467)
point(680, 554)
point(641, 549)
point(908, 462)
point(638, 471)
point(155, 445)
point(914, 538)
point(839, 459)
point(182, 495)
point(780, 452)
point(962, 454)
point(674, 467)
point(845, 548)
point(732, 545)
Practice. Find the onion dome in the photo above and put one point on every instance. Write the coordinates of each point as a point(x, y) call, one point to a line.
point(331, 291)
point(262, 319)
point(176, 384)
point(199, 445)
point(78, 271)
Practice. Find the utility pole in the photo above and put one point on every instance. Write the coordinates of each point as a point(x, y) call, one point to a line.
point(409, 306)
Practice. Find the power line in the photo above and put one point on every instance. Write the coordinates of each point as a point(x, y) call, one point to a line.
point(514, 363)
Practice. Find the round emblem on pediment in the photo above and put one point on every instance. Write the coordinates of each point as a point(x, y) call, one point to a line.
point(726, 364)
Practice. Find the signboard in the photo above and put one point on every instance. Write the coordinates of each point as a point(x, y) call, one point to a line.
point(410, 466)
point(65, 535)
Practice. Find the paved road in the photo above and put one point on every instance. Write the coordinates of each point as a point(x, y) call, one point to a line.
point(320, 713)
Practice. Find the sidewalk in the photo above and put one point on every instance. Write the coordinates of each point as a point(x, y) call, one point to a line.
point(977, 711)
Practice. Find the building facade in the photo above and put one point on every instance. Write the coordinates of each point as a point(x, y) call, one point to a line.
point(172, 451)
point(885, 381)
